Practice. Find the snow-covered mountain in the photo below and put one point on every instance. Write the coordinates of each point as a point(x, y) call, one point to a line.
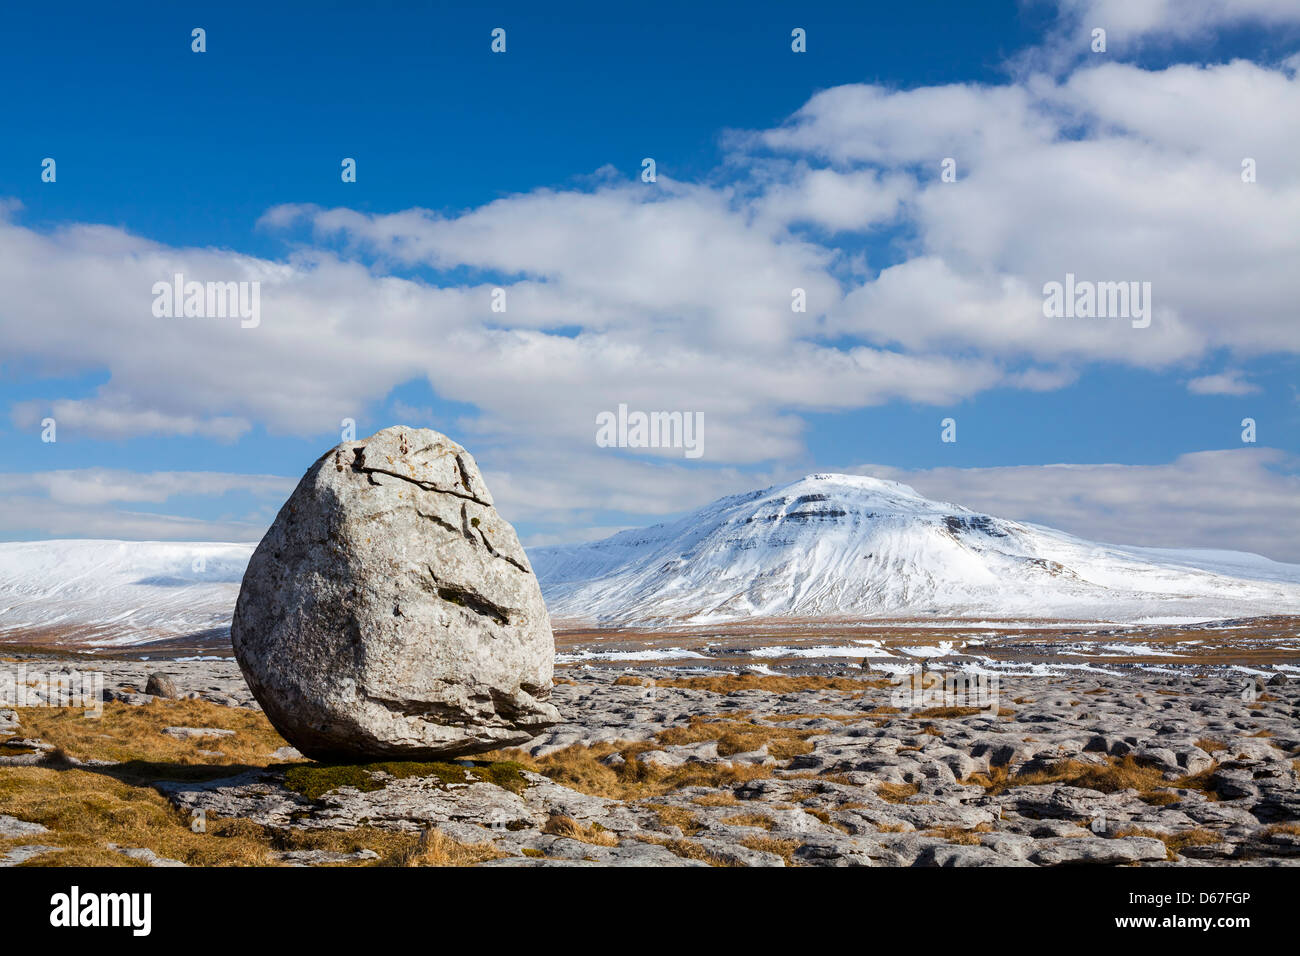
point(857, 547)
point(825, 546)
point(118, 592)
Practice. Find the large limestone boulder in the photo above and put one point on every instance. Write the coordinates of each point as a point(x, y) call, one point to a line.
point(391, 612)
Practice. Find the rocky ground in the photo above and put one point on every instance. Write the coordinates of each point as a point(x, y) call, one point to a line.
point(658, 767)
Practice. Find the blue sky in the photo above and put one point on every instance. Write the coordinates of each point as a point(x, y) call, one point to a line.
point(777, 170)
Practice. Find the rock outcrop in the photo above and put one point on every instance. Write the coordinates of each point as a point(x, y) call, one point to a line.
point(391, 612)
point(840, 777)
point(161, 685)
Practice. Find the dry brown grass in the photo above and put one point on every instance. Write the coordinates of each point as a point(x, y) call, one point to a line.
point(1211, 744)
point(772, 683)
point(1110, 777)
point(127, 733)
point(1159, 798)
point(435, 848)
point(724, 799)
point(787, 718)
point(86, 808)
point(782, 848)
point(679, 817)
point(1203, 781)
point(1175, 843)
point(558, 824)
point(824, 817)
point(759, 820)
point(579, 767)
point(946, 713)
point(686, 849)
point(995, 781)
point(736, 736)
point(827, 777)
point(1115, 774)
point(896, 792)
point(960, 836)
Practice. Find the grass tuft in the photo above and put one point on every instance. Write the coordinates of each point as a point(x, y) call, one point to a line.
point(565, 826)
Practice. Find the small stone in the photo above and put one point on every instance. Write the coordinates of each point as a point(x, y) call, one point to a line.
point(1098, 851)
point(660, 758)
point(161, 685)
point(189, 733)
point(21, 854)
point(318, 857)
point(144, 855)
point(13, 828)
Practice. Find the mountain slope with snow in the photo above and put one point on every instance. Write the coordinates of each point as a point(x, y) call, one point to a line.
point(828, 546)
point(118, 592)
point(850, 546)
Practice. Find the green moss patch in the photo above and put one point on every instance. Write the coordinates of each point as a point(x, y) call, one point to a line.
point(505, 774)
point(314, 780)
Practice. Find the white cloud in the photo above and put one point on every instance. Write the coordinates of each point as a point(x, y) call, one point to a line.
point(1228, 382)
point(1135, 27)
point(677, 296)
point(683, 304)
point(86, 503)
point(835, 201)
point(108, 418)
point(681, 293)
point(1110, 175)
point(1165, 20)
point(861, 123)
point(1239, 499)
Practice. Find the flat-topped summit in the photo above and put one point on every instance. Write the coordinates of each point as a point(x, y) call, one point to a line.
point(858, 546)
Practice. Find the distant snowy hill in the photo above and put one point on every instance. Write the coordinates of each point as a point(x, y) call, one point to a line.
point(824, 546)
point(843, 545)
point(118, 592)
